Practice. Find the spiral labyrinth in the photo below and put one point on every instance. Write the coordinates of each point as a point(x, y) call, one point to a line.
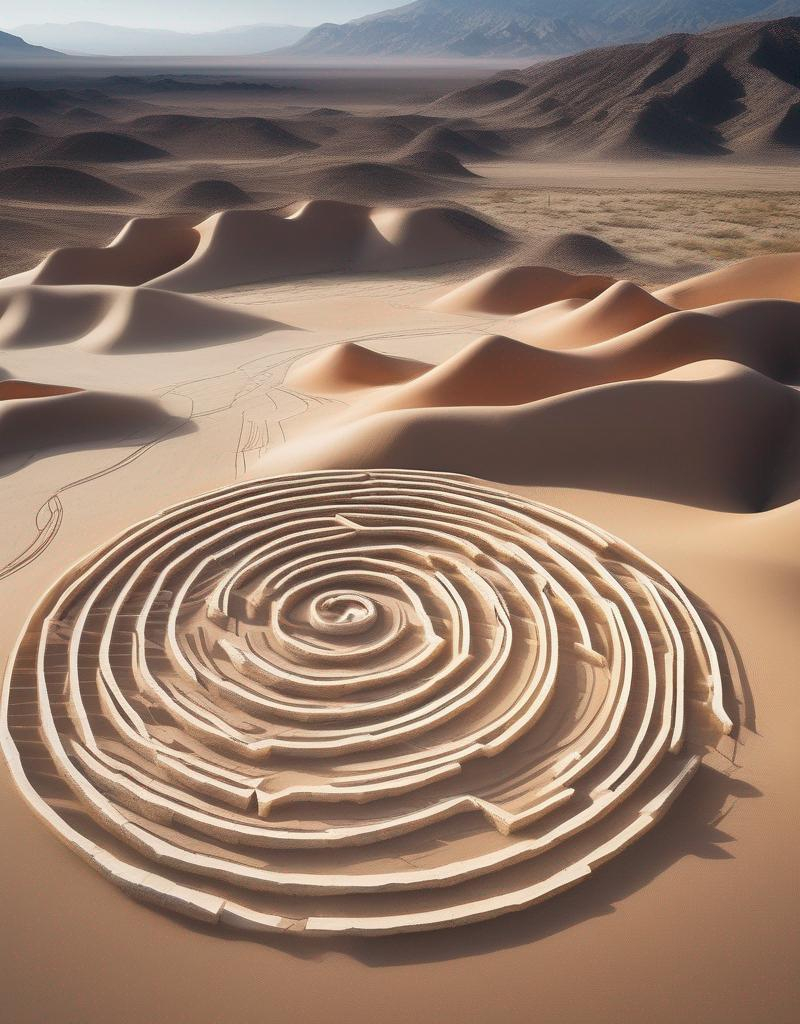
point(359, 702)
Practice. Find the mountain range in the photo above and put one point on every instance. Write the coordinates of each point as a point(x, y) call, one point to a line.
point(455, 29)
point(524, 28)
point(14, 48)
point(92, 38)
point(729, 90)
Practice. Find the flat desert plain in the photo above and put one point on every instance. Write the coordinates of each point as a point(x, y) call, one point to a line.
point(361, 682)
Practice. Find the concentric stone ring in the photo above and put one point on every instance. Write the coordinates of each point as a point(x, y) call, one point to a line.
point(358, 702)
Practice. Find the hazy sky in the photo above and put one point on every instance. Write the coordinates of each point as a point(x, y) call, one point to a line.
point(187, 15)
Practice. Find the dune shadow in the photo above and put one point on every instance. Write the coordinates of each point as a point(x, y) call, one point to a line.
point(56, 440)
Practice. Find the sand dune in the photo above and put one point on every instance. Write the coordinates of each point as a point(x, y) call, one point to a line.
point(239, 247)
point(18, 140)
point(145, 248)
point(511, 290)
point(776, 276)
point(105, 147)
point(495, 370)
point(43, 183)
point(21, 123)
point(466, 143)
point(695, 435)
point(33, 427)
point(576, 322)
point(577, 251)
point(366, 180)
point(83, 115)
point(111, 318)
point(350, 367)
point(431, 161)
point(193, 135)
point(210, 194)
point(21, 99)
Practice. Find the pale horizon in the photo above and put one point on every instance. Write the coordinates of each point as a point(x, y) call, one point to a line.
point(186, 15)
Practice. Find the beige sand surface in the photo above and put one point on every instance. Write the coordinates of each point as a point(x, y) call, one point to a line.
point(207, 349)
point(704, 893)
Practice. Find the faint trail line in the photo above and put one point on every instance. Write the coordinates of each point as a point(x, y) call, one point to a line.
point(50, 513)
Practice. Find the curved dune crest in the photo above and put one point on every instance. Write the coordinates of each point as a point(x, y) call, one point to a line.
point(109, 318)
point(196, 135)
point(511, 290)
point(619, 308)
point(146, 247)
point(370, 181)
point(430, 161)
point(497, 370)
point(324, 236)
point(32, 427)
point(349, 367)
point(105, 147)
point(44, 183)
point(359, 703)
point(211, 194)
point(776, 276)
point(576, 250)
point(695, 435)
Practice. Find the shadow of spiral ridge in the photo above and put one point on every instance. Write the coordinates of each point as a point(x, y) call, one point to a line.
point(358, 702)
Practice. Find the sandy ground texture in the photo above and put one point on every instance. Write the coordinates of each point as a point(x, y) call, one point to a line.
point(623, 758)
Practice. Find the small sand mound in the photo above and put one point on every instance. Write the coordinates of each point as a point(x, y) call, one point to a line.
point(465, 143)
point(431, 235)
point(83, 115)
point(20, 99)
point(106, 147)
point(36, 315)
point(203, 136)
point(210, 194)
point(145, 248)
point(367, 180)
point(575, 250)
point(349, 367)
point(486, 94)
point(14, 141)
point(513, 290)
point(41, 183)
point(34, 427)
point(433, 162)
point(109, 319)
point(577, 322)
point(761, 277)
point(21, 123)
point(328, 112)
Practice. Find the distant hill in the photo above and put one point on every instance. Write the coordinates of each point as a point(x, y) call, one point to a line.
point(523, 28)
point(14, 48)
point(729, 90)
point(96, 39)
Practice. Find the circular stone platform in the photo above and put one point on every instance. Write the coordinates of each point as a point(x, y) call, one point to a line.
point(358, 702)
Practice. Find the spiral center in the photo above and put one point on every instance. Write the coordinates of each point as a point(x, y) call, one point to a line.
point(343, 613)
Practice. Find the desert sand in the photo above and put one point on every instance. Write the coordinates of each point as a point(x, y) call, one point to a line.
point(399, 567)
